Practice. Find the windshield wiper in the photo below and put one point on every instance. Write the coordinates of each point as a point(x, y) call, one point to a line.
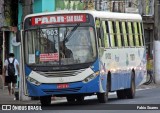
point(71, 33)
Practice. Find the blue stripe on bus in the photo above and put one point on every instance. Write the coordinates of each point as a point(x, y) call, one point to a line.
point(74, 88)
point(95, 66)
point(27, 70)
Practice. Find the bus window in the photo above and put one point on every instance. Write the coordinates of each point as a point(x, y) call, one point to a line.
point(141, 33)
point(29, 49)
point(133, 33)
point(97, 22)
point(139, 37)
point(111, 33)
point(93, 44)
point(118, 34)
point(98, 32)
point(121, 33)
point(130, 34)
point(108, 33)
point(124, 34)
point(136, 34)
point(37, 45)
point(105, 33)
point(115, 33)
point(102, 38)
point(127, 32)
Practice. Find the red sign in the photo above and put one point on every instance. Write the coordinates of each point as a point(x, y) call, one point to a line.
point(61, 86)
point(49, 57)
point(58, 19)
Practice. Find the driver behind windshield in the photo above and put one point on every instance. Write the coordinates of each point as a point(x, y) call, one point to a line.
point(64, 51)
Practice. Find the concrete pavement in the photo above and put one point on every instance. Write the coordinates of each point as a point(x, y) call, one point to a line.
point(1, 82)
point(5, 98)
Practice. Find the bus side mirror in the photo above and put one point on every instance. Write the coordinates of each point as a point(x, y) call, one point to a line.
point(18, 36)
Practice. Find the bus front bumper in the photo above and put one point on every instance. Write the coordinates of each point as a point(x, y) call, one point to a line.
point(64, 89)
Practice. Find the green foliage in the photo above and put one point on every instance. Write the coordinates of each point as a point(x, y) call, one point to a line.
point(74, 6)
point(147, 7)
point(65, 4)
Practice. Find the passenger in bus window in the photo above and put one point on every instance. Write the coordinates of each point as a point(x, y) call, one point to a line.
point(64, 51)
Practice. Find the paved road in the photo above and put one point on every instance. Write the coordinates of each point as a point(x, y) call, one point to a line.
point(149, 95)
point(144, 95)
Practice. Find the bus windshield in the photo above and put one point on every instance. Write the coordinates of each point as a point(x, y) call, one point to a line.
point(60, 46)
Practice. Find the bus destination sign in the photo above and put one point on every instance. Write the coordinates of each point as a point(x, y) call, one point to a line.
point(49, 57)
point(58, 19)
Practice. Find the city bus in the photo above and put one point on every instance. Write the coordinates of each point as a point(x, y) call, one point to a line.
point(74, 54)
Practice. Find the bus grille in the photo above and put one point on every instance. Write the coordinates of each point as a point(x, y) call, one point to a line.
point(61, 73)
point(61, 91)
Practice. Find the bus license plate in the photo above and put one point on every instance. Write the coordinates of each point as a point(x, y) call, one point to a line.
point(61, 86)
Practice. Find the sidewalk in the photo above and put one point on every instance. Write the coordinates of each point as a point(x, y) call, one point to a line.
point(5, 98)
point(151, 85)
point(1, 82)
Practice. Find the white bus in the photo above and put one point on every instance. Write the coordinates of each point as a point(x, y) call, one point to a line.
point(74, 54)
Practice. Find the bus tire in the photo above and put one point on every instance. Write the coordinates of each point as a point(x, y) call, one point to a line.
point(70, 99)
point(103, 97)
point(45, 100)
point(121, 94)
point(130, 93)
point(80, 98)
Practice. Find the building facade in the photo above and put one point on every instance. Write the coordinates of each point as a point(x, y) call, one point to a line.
point(8, 23)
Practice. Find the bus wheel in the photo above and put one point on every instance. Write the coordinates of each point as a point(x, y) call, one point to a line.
point(130, 93)
point(121, 94)
point(70, 99)
point(45, 100)
point(80, 98)
point(102, 97)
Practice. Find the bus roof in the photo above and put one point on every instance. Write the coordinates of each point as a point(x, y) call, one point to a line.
point(99, 14)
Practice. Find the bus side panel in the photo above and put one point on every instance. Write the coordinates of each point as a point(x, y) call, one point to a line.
point(120, 81)
point(120, 62)
point(140, 77)
point(103, 77)
point(141, 74)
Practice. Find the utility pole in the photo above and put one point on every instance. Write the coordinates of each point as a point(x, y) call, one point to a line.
point(27, 9)
point(157, 41)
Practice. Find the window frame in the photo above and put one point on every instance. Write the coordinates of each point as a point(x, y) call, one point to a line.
point(123, 33)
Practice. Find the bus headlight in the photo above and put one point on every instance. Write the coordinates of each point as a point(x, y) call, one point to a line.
point(91, 77)
point(33, 81)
